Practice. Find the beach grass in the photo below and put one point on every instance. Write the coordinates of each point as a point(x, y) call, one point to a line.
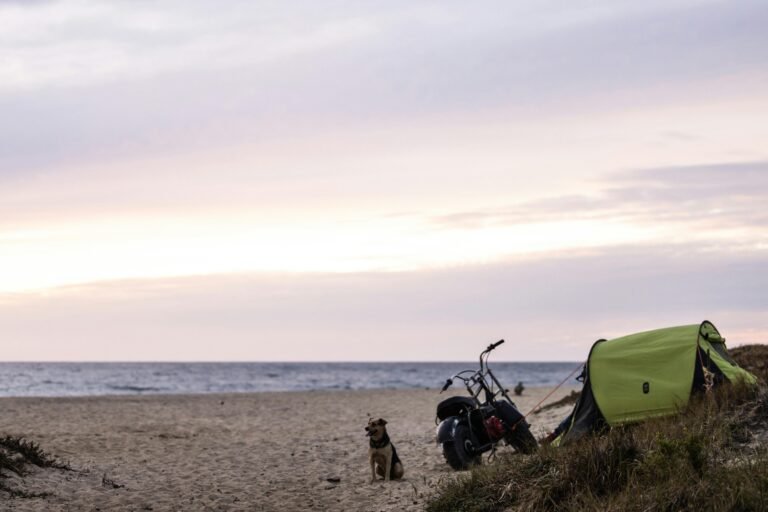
point(711, 456)
point(16, 454)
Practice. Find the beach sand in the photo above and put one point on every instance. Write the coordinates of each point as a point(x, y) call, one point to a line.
point(258, 451)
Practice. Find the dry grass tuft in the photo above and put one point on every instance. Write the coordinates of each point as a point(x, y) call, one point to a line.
point(753, 358)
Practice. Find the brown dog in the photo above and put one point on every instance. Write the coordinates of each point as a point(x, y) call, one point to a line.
point(381, 452)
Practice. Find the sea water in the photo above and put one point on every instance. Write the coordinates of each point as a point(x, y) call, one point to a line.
point(89, 379)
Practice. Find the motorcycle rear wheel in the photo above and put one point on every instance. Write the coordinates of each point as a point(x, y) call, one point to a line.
point(459, 452)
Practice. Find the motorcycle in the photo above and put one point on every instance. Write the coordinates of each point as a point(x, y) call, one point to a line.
point(470, 426)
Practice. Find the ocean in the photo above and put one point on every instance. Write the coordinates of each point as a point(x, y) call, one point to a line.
point(93, 379)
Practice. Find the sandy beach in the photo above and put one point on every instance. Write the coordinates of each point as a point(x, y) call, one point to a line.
point(258, 451)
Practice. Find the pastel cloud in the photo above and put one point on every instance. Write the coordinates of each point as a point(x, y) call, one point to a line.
point(712, 195)
point(426, 173)
point(110, 79)
point(551, 308)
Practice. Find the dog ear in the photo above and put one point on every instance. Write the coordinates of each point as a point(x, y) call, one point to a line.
point(382, 421)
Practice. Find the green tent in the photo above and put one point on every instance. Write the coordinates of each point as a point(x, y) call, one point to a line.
point(650, 374)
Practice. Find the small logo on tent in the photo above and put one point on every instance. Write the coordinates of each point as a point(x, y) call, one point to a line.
point(646, 387)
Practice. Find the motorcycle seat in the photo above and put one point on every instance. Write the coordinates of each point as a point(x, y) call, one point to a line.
point(453, 406)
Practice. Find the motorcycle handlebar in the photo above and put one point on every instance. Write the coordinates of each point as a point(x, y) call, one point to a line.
point(447, 385)
point(494, 345)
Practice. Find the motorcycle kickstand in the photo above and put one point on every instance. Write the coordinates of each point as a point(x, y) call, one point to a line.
point(492, 455)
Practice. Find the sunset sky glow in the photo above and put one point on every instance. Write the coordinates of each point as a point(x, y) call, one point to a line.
point(192, 180)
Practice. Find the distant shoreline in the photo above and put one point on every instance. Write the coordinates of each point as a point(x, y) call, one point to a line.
point(236, 394)
point(469, 362)
point(139, 379)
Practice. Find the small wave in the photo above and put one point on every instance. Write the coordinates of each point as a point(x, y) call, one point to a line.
point(134, 389)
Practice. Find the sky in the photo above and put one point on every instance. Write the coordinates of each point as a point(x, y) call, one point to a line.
point(407, 180)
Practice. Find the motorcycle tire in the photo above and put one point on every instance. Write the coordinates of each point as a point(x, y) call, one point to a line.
point(519, 436)
point(458, 452)
point(522, 440)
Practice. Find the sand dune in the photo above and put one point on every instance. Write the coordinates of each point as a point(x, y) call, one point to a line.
point(261, 451)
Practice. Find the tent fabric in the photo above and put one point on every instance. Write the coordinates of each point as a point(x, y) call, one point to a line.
point(586, 417)
point(649, 374)
point(732, 371)
point(644, 375)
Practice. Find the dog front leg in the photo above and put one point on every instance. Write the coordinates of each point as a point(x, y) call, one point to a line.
point(388, 467)
point(373, 470)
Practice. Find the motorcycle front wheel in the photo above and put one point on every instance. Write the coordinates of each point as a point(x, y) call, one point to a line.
point(459, 452)
point(522, 440)
point(518, 433)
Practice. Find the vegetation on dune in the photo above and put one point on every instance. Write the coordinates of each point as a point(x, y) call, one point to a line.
point(30, 452)
point(16, 454)
point(753, 358)
point(712, 456)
